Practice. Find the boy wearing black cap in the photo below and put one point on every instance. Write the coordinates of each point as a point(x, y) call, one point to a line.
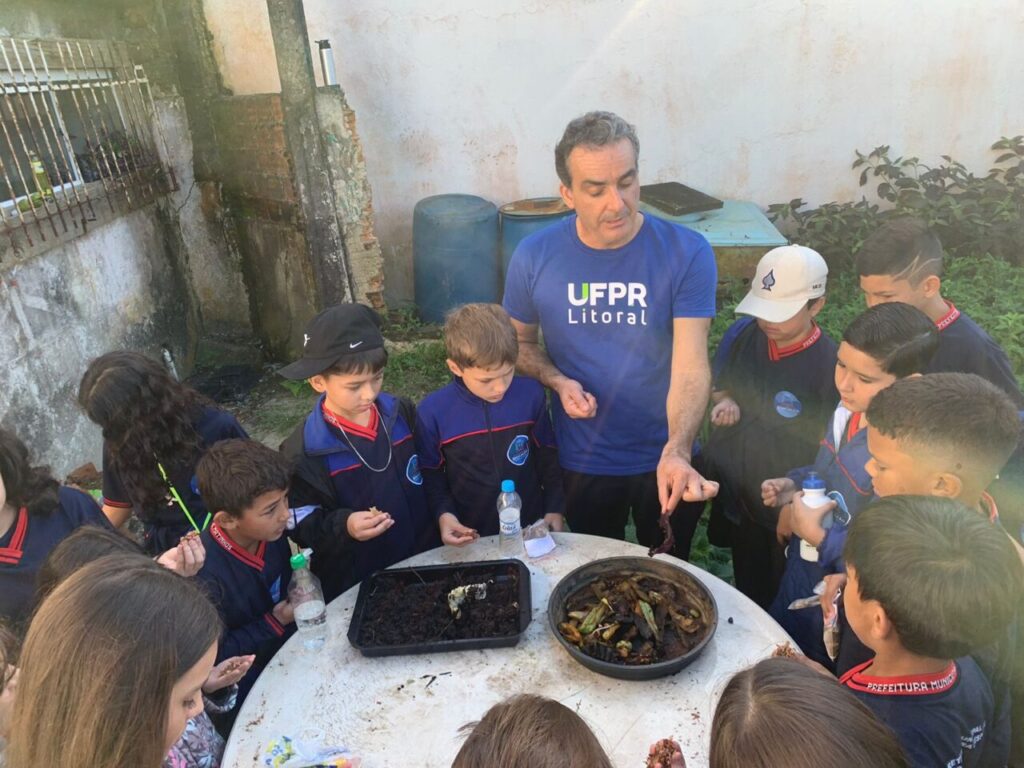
point(357, 493)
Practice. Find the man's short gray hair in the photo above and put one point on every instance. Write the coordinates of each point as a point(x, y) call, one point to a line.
point(594, 129)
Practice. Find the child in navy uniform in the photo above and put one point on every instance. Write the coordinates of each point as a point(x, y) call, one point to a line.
point(948, 435)
point(357, 492)
point(36, 514)
point(944, 434)
point(486, 426)
point(773, 390)
point(930, 581)
point(903, 261)
point(885, 343)
point(247, 568)
point(154, 431)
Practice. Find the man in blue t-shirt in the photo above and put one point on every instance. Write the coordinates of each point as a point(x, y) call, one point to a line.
point(624, 302)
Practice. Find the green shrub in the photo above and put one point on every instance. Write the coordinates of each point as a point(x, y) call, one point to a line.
point(971, 214)
point(986, 288)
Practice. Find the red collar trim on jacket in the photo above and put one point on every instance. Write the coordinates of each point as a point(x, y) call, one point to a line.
point(853, 427)
point(11, 554)
point(336, 421)
point(904, 685)
point(228, 545)
point(949, 318)
point(775, 354)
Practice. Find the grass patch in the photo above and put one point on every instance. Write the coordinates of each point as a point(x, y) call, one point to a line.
point(415, 369)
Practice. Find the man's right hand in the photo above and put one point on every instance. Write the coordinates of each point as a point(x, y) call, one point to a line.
point(576, 401)
point(453, 532)
point(366, 525)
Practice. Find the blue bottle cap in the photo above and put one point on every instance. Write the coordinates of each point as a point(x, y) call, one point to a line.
point(509, 486)
point(813, 482)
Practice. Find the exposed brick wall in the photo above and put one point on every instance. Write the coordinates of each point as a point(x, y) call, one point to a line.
point(353, 195)
point(257, 185)
point(253, 153)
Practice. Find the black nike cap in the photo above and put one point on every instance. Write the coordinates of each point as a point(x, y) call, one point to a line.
point(344, 329)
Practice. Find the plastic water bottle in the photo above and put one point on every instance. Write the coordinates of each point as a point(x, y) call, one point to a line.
point(510, 507)
point(307, 599)
point(814, 497)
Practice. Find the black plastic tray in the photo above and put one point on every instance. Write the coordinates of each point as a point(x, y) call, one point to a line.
point(427, 573)
point(678, 199)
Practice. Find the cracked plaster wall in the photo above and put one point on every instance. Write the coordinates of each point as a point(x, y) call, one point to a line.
point(154, 276)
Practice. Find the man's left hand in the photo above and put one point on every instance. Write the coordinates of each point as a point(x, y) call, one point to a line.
point(679, 481)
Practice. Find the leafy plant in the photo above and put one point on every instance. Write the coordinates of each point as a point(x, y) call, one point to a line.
point(299, 388)
point(404, 324)
point(971, 214)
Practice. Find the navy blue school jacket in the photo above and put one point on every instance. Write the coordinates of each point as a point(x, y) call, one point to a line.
point(467, 446)
point(943, 719)
point(964, 347)
point(840, 463)
point(166, 524)
point(245, 587)
point(330, 481)
point(785, 398)
point(29, 542)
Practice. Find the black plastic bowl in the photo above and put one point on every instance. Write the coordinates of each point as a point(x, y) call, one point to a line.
point(585, 574)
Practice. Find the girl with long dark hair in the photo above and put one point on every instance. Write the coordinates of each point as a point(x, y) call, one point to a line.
point(155, 429)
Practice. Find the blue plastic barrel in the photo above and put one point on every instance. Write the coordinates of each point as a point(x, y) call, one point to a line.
point(525, 217)
point(455, 253)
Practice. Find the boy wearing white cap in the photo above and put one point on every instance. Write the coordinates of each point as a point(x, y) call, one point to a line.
point(773, 392)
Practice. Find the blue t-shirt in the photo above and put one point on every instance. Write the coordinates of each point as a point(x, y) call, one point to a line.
point(606, 317)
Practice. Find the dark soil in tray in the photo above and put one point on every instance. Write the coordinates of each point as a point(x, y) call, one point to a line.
point(402, 609)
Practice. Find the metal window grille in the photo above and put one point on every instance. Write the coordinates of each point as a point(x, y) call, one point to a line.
point(77, 132)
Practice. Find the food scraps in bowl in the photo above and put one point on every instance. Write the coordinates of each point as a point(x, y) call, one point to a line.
point(634, 619)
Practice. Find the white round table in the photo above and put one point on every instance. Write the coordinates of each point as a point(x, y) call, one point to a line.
point(406, 710)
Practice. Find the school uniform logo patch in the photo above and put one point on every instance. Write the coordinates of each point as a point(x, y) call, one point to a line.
point(787, 405)
point(412, 471)
point(519, 450)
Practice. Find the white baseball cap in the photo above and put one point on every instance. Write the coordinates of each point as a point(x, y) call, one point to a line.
point(785, 280)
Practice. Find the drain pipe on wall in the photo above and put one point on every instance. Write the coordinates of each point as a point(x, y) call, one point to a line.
point(169, 362)
point(327, 62)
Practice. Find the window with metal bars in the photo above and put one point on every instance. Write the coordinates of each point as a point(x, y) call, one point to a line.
point(77, 131)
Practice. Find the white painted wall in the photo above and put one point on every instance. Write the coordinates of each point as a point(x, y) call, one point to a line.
point(754, 99)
